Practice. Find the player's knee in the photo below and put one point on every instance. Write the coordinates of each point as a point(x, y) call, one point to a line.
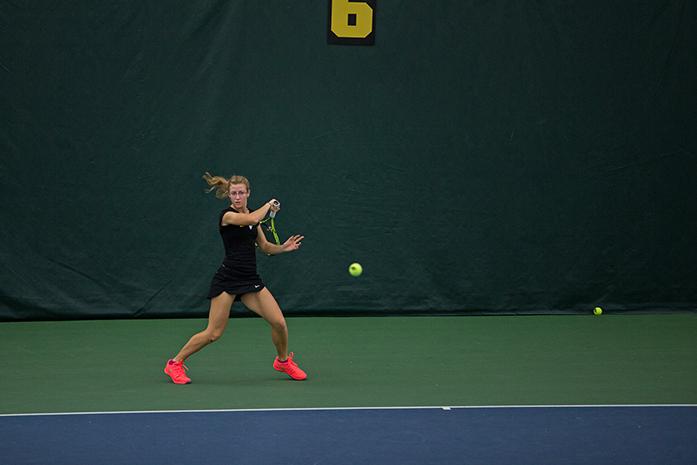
point(213, 335)
point(279, 325)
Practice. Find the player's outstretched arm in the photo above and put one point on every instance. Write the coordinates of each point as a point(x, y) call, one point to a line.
point(292, 243)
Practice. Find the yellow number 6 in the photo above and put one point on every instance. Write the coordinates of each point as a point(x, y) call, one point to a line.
point(351, 20)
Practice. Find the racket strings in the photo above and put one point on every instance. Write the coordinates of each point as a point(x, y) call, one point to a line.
point(270, 224)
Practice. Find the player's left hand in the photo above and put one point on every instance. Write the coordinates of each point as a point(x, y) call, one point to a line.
point(292, 243)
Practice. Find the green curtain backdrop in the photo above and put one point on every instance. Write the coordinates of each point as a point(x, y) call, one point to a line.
point(491, 157)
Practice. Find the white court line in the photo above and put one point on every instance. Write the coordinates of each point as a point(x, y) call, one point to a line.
point(302, 409)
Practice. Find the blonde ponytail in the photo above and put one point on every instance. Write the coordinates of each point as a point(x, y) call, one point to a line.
point(221, 185)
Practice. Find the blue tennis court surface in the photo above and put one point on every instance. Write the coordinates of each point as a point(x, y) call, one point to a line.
point(636, 435)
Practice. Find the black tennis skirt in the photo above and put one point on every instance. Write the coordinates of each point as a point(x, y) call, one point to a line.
point(234, 282)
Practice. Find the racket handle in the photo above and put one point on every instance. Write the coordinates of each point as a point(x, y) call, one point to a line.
point(275, 203)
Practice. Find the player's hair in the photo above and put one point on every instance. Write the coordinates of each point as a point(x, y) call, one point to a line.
point(221, 185)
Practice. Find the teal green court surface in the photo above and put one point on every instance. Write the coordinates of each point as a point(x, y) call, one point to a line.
point(616, 389)
point(116, 365)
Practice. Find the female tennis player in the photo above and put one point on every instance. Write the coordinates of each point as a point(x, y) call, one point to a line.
point(237, 277)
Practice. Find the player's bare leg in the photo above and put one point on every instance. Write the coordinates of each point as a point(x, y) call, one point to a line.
point(218, 316)
point(264, 304)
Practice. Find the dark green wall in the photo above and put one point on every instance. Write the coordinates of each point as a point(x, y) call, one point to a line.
point(481, 156)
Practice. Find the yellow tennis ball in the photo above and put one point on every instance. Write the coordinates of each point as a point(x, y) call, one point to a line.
point(597, 311)
point(355, 269)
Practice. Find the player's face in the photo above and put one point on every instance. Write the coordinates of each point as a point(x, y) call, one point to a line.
point(238, 196)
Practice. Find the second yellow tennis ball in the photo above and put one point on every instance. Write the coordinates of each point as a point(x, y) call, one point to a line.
point(355, 269)
point(597, 311)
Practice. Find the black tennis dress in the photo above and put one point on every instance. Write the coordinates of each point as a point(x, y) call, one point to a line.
point(238, 273)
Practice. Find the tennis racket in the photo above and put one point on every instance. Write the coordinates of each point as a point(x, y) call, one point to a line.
point(271, 226)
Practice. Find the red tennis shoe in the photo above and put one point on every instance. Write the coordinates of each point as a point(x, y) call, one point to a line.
point(290, 368)
point(177, 371)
